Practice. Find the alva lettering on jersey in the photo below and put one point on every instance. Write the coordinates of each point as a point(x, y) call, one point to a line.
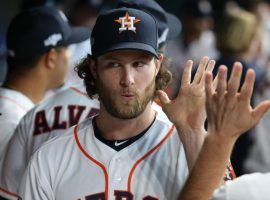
point(119, 195)
point(73, 117)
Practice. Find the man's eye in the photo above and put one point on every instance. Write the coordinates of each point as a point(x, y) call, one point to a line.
point(138, 64)
point(112, 65)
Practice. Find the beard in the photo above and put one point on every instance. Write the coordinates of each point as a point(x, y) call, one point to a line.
point(121, 109)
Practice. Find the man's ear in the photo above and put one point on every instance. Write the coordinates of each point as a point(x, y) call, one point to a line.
point(158, 62)
point(50, 58)
point(93, 67)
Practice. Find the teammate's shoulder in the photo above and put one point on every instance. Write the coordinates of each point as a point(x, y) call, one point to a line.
point(9, 114)
point(14, 99)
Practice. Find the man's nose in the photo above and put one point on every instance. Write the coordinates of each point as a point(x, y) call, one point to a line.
point(127, 77)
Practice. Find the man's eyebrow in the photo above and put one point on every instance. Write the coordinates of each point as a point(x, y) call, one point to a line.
point(109, 57)
point(148, 57)
point(115, 58)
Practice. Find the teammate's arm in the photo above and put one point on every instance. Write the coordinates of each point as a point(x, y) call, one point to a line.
point(229, 115)
point(187, 110)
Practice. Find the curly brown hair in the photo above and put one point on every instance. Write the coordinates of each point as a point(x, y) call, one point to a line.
point(163, 78)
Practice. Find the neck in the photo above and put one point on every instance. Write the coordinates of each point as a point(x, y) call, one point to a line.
point(30, 85)
point(120, 129)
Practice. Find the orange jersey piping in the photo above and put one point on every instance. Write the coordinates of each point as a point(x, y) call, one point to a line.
point(146, 155)
point(93, 160)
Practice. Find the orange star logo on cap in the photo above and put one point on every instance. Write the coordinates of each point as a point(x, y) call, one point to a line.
point(127, 23)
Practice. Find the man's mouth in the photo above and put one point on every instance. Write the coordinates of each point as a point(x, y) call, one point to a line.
point(128, 95)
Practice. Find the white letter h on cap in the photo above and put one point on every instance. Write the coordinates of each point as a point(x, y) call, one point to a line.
point(127, 23)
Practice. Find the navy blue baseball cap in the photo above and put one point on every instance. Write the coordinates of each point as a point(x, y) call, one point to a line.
point(169, 26)
point(35, 31)
point(124, 28)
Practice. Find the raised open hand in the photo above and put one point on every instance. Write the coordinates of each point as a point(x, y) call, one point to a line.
point(229, 112)
point(187, 110)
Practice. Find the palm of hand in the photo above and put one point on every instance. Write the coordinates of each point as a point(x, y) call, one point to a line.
point(229, 112)
point(230, 119)
point(189, 107)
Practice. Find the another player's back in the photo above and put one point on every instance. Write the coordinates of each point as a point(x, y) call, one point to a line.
point(49, 119)
point(65, 110)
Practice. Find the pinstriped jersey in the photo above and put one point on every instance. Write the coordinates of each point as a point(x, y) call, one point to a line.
point(79, 166)
point(48, 119)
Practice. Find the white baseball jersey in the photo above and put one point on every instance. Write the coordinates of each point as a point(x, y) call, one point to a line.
point(252, 186)
point(79, 166)
point(49, 119)
point(13, 106)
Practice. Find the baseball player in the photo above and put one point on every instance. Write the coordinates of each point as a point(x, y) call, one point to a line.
point(24, 142)
point(128, 151)
point(229, 115)
point(44, 62)
point(38, 57)
point(49, 119)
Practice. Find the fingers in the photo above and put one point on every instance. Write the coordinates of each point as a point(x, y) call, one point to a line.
point(260, 110)
point(234, 81)
point(200, 69)
point(247, 87)
point(205, 65)
point(222, 81)
point(209, 68)
point(163, 97)
point(208, 86)
point(186, 77)
point(209, 92)
point(215, 82)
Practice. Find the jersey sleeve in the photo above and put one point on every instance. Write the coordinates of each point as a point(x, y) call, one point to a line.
point(34, 185)
point(15, 161)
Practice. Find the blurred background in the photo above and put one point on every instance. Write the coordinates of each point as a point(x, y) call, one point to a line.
point(226, 31)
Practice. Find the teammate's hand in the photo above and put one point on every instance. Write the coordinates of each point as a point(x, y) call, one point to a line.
point(187, 110)
point(229, 113)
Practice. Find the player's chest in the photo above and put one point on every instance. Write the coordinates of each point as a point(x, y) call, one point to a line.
point(155, 177)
